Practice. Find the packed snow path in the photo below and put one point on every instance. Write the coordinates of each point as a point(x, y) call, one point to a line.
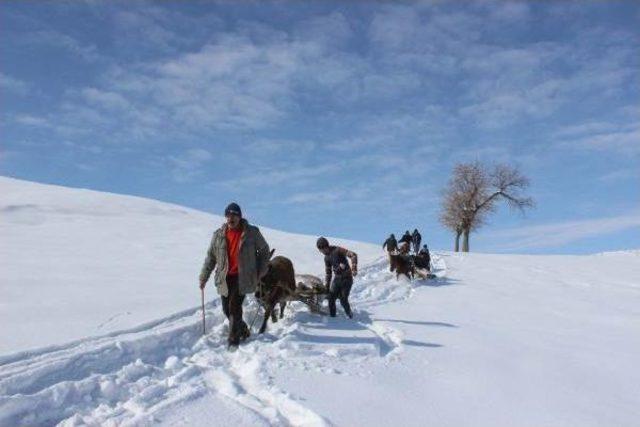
point(142, 375)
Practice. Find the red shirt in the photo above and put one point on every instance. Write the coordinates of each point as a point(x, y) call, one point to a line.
point(233, 249)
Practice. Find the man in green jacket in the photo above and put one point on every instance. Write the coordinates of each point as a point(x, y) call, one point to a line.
point(241, 256)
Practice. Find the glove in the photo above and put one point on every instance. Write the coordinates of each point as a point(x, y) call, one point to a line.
point(354, 272)
point(203, 283)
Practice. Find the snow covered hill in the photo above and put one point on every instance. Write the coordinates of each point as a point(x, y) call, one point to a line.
point(494, 340)
point(77, 262)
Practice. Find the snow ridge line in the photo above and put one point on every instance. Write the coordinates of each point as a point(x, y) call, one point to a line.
point(98, 355)
point(122, 378)
point(28, 354)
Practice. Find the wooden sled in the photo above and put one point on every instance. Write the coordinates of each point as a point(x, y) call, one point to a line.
point(311, 291)
point(423, 273)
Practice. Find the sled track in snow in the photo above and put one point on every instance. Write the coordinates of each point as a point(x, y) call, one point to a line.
point(130, 376)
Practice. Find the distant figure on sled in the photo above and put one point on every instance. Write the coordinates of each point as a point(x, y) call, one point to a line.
point(406, 257)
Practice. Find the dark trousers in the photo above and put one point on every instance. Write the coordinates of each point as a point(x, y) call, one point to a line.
point(232, 308)
point(340, 289)
point(416, 245)
point(392, 262)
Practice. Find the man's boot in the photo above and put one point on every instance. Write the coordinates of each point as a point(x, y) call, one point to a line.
point(244, 331)
point(347, 307)
point(234, 331)
point(233, 341)
point(332, 307)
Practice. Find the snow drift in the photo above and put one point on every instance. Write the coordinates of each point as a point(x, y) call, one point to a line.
point(79, 262)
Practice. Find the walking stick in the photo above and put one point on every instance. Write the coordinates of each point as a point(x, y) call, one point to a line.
point(204, 330)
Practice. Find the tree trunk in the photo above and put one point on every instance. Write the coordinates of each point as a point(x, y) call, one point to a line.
point(465, 241)
point(457, 248)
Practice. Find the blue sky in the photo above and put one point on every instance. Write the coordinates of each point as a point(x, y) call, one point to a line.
point(335, 118)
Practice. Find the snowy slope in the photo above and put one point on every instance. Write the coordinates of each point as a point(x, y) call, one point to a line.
point(77, 262)
point(494, 340)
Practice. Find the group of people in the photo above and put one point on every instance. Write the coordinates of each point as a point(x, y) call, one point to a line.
point(421, 257)
point(240, 255)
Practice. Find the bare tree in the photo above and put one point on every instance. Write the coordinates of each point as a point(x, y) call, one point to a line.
point(450, 217)
point(473, 192)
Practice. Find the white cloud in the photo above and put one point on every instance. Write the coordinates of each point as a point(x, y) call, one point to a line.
point(84, 146)
point(587, 128)
point(229, 84)
point(394, 26)
point(557, 234)
point(87, 52)
point(499, 84)
point(620, 175)
point(315, 197)
point(278, 175)
point(625, 142)
point(236, 82)
point(601, 136)
point(30, 120)
point(12, 84)
point(510, 11)
point(264, 148)
point(143, 28)
point(415, 72)
point(108, 100)
point(333, 29)
point(188, 165)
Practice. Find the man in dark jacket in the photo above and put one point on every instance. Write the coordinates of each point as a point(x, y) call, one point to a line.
point(241, 256)
point(391, 245)
point(416, 238)
point(423, 259)
point(336, 264)
point(406, 238)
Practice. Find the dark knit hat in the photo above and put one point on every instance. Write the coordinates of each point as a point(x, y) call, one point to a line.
point(232, 209)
